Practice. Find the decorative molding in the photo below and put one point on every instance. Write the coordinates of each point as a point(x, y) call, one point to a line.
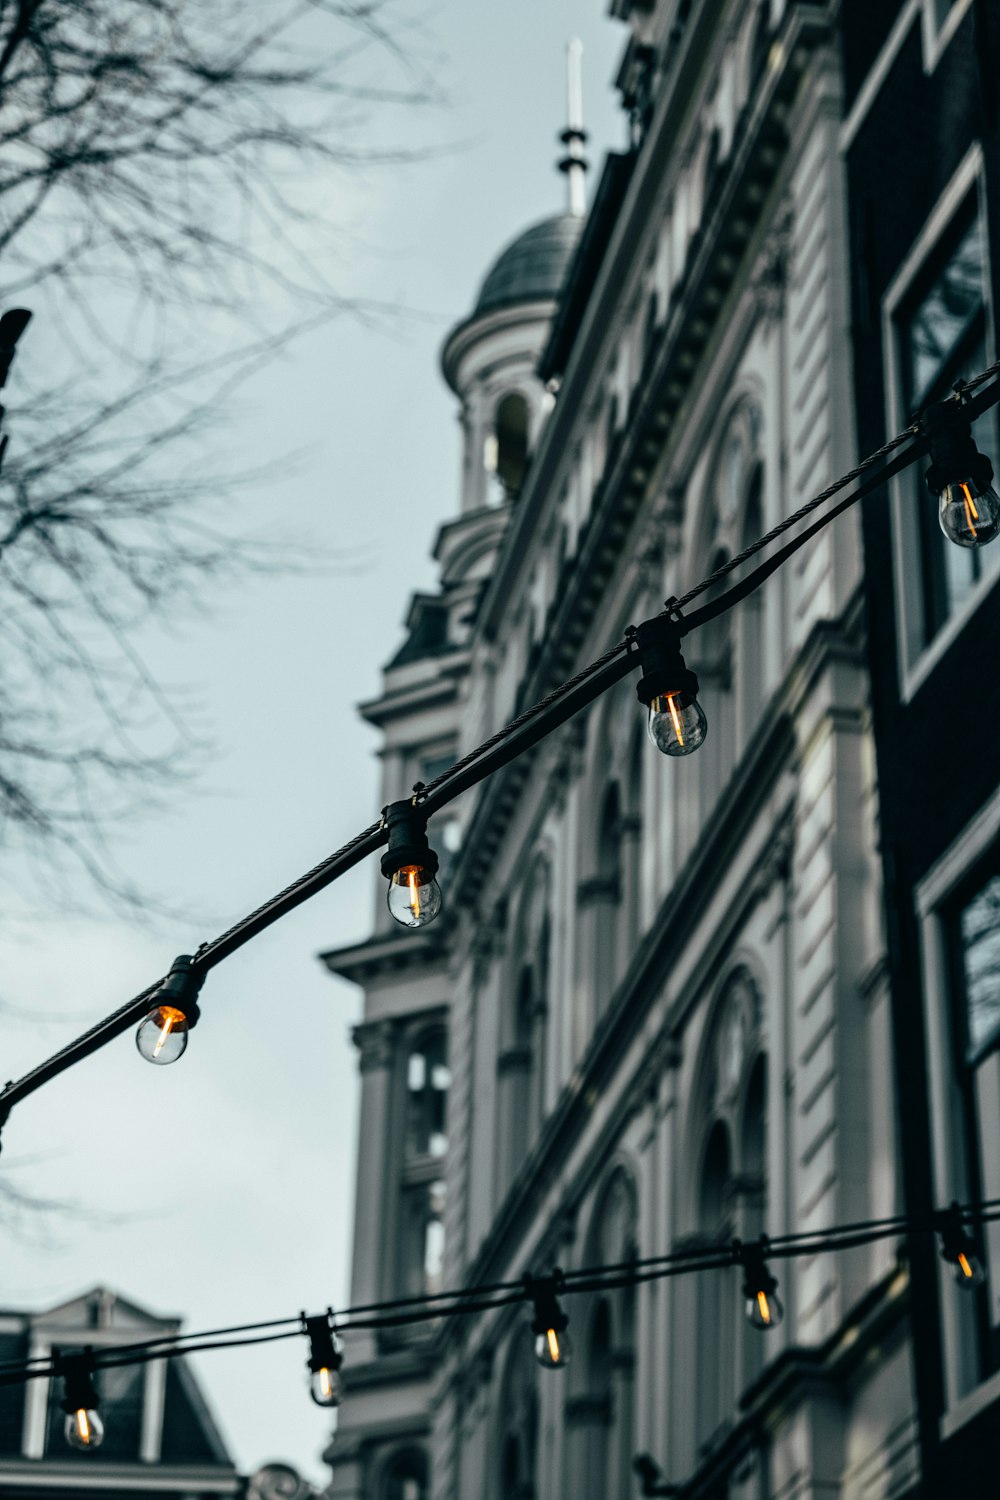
point(376, 1042)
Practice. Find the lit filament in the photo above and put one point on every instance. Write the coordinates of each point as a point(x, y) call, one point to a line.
point(765, 1310)
point(83, 1426)
point(412, 878)
point(553, 1345)
point(672, 705)
point(325, 1383)
point(971, 513)
point(964, 1266)
point(164, 1033)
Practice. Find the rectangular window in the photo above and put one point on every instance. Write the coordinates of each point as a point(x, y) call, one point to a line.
point(973, 929)
point(941, 331)
point(938, 329)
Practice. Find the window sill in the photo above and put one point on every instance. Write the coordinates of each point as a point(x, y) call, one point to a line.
point(970, 1406)
point(916, 675)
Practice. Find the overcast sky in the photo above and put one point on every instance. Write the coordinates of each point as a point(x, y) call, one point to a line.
point(224, 1184)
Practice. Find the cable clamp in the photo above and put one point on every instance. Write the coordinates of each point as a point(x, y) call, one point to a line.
point(419, 793)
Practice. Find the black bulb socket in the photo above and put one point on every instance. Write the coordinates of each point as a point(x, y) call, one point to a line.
point(76, 1370)
point(954, 455)
point(663, 668)
point(407, 840)
point(543, 1292)
point(955, 1239)
point(323, 1352)
point(756, 1276)
point(180, 989)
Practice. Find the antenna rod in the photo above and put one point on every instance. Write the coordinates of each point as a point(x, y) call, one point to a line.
point(574, 163)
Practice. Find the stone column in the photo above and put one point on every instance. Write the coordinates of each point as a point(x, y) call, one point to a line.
point(376, 1181)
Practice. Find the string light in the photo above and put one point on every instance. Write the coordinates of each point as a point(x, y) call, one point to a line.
point(410, 865)
point(83, 1428)
point(764, 1307)
point(550, 1321)
point(553, 1349)
point(325, 1359)
point(419, 901)
point(163, 1036)
point(959, 1251)
point(676, 722)
point(960, 476)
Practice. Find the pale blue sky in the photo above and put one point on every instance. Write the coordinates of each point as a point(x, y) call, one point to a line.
point(235, 1167)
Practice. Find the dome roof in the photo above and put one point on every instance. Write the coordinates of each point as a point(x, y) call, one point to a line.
point(533, 267)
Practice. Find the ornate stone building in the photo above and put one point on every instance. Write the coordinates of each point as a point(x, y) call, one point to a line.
point(656, 1009)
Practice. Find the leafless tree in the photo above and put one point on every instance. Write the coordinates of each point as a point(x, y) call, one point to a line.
point(159, 163)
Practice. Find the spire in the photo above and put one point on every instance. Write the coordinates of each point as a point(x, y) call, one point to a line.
point(574, 163)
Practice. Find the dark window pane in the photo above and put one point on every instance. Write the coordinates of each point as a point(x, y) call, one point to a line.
point(940, 321)
point(979, 928)
point(427, 1082)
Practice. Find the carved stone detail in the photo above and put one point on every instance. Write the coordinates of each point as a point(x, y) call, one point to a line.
point(376, 1042)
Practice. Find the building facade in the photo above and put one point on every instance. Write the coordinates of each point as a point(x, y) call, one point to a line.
point(666, 1004)
point(921, 141)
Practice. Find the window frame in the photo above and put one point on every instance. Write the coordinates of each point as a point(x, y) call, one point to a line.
point(936, 34)
point(937, 899)
point(915, 661)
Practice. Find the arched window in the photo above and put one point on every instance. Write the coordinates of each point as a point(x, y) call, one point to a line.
point(608, 895)
point(422, 1192)
point(718, 1306)
point(521, 1061)
point(729, 1120)
point(405, 1476)
point(600, 1410)
point(730, 649)
point(518, 1421)
point(715, 677)
point(512, 443)
point(750, 674)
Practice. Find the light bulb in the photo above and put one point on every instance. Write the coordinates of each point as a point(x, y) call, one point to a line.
point(414, 896)
point(676, 724)
point(553, 1349)
point(969, 513)
point(326, 1387)
point(163, 1035)
point(764, 1309)
point(968, 1268)
point(84, 1429)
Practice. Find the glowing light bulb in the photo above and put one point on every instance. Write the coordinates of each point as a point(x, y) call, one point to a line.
point(326, 1386)
point(969, 513)
point(84, 1429)
point(676, 723)
point(969, 1269)
point(163, 1035)
point(553, 1349)
point(959, 1252)
point(414, 896)
point(764, 1309)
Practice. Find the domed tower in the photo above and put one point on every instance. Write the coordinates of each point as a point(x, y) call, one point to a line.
point(489, 359)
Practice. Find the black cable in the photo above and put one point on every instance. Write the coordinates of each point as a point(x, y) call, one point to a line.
point(509, 742)
point(479, 1299)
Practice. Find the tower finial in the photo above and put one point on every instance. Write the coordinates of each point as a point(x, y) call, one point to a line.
point(574, 163)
